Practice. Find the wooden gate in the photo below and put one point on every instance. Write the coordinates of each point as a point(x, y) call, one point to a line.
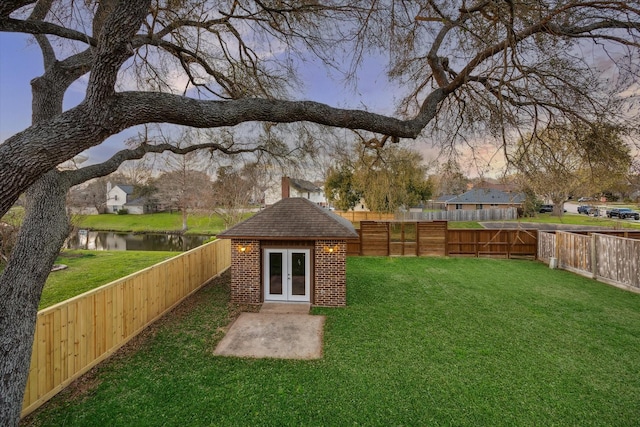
point(422, 238)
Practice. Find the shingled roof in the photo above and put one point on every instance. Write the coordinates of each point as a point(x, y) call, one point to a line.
point(487, 196)
point(292, 219)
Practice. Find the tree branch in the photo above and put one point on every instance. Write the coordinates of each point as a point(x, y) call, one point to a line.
point(7, 7)
point(114, 47)
point(84, 174)
point(30, 153)
point(9, 25)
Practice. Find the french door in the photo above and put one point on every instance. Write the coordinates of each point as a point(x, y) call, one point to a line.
point(287, 275)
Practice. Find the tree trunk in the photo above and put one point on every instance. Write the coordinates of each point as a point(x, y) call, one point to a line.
point(184, 219)
point(41, 236)
point(558, 207)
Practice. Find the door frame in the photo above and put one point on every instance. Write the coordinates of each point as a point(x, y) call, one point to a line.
point(287, 288)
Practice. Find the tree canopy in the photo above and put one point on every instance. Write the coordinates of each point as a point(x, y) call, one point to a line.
point(387, 179)
point(570, 159)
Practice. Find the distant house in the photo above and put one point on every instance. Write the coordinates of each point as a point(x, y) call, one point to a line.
point(485, 198)
point(121, 197)
point(291, 187)
point(117, 196)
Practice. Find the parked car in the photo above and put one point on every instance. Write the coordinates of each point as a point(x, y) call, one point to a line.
point(585, 199)
point(623, 213)
point(547, 208)
point(584, 209)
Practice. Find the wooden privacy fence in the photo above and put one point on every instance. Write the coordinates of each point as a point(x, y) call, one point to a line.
point(497, 214)
point(513, 243)
point(357, 216)
point(433, 238)
point(605, 257)
point(77, 334)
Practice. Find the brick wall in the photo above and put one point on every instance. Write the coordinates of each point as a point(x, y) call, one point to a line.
point(245, 272)
point(330, 273)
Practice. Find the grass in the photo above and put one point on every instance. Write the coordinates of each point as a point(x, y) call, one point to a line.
point(90, 269)
point(464, 224)
point(423, 341)
point(158, 222)
point(573, 219)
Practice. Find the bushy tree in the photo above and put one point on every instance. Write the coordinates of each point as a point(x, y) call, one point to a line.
point(387, 178)
point(392, 178)
point(339, 187)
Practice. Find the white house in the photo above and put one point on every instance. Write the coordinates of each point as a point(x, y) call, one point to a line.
point(290, 187)
point(117, 196)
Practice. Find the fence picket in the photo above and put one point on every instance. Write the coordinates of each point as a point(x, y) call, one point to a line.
point(73, 336)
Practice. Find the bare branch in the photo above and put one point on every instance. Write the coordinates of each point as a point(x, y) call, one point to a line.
point(7, 7)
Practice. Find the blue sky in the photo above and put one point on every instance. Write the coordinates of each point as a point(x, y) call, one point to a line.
point(20, 62)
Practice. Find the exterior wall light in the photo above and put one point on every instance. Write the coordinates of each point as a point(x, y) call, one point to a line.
point(331, 249)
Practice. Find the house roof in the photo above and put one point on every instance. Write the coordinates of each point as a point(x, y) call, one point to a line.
point(302, 185)
point(126, 188)
point(292, 218)
point(140, 201)
point(487, 196)
point(445, 197)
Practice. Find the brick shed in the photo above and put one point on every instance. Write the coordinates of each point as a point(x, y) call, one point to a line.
point(292, 251)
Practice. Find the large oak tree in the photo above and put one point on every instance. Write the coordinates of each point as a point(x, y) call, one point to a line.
point(489, 66)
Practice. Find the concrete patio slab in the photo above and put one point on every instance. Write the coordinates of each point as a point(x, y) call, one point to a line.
point(285, 307)
point(274, 335)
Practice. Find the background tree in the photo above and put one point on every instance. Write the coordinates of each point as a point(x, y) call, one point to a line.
point(449, 179)
point(339, 187)
point(391, 178)
point(231, 193)
point(569, 159)
point(90, 195)
point(183, 188)
point(480, 66)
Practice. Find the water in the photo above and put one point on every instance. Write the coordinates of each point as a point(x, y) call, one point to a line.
point(108, 241)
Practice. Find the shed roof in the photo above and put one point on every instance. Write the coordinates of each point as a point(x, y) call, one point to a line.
point(293, 218)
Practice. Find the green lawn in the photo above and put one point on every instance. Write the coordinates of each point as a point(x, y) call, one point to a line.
point(581, 220)
point(423, 341)
point(164, 221)
point(90, 269)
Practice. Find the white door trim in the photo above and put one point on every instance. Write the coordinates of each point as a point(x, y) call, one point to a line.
point(286, 290)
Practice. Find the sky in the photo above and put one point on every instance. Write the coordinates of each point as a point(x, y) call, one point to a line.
point(20, 62)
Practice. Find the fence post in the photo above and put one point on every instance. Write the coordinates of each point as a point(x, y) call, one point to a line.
point(594, 256)
point(476, 236)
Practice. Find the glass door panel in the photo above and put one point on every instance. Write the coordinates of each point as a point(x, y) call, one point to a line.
point(298, 273)
point(276, 273)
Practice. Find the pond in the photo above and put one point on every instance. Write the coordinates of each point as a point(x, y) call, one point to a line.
point(108, 241)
